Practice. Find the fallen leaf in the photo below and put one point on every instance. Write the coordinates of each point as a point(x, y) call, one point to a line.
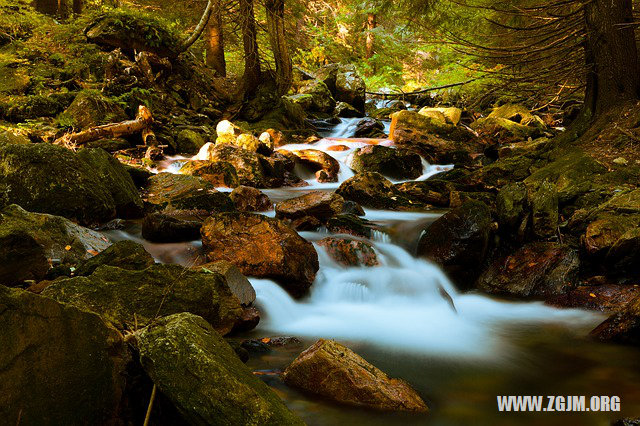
point(67, 248)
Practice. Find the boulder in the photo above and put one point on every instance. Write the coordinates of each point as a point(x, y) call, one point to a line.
point(46, 178)
point(335, 372)
point(537, 270)
point(544, 210)
point(598, 297)
point(431, 191)
point(303, 100)
point(349, 251)
point(217, 173)
point(227, 133)
point(345, 83)
point(200, 373)
point(248, 166)
point(601, 235)
point(345, 110)
point(321, 205)
point(248, 199)
point(238, 283)
point(458, 241)
point(124, 254)
point(182, 192)
point(621, 327)
point(165, 228)
point(60, 365)
point(31, 243)
point(370, 128)
point(117, 180)
point(512, 209)
point(90, 109)
point(325, 166)
point(350, 224)
point(624, 255)
point(321, 97)
point(128, 299)
point(451, 115)
point(396, 164)
point(189, 142)
point(261, 247)
point(509, 120)
point(372, 190)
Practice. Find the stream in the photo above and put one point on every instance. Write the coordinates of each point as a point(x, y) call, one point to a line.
point(459, 353)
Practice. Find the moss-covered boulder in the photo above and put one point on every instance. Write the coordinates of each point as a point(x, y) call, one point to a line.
point(124, 254)
point(512, 210)
point(321, 205)
point(60, 365)
point(510, 120)
point(161, 227)
point(537, 270)
point(204, 378)
point(91, 109)
point(50, 179)
point(336, 372)
point(345, 84)
point(217, 173)
point(321, 97)
point(31, 243)
point(239, 284)
point(452, 115)
point(117, 180)
point(261, 247)
point(130, 298)
point(248, 165)
point(624, 255)
point(183, 192)
point(544, 210)
point(374, 191)
point(459, 241)
point(189, 142)
point(394, 163)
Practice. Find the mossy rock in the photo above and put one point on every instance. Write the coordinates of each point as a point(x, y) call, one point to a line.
point(91, 109)
point(371, 189)
point(130, 298)
point(45, 178)
point(544, 210)
point(321, 97)
point(30, 243)
point(124, 254)
point(24, 108)
point(189, 142)
point(204, 378)
point(60, 365)
point(249, 167)
point(183, 192)
point(217, 173)
point(394, 163)
point(512, 208)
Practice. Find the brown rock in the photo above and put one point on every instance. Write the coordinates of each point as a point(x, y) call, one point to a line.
point(603, 298)
point(238, 283)
point(217, 173)
point(350, 252)
point(338, 148)
point(249, 319)
point(330, 369)
point(261, 247)
point(320, 161)
point(622, 327)
point(318, 204)
point(248, 199)
point(601, 235)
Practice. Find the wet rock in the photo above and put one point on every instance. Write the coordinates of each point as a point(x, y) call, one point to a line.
point(31, 243)
point(394, 163)
point(238, 283)
point(332, 370)
point(345, 110)
point(221, 389)
point(351, 207)
point(345, 84)
point(603, 297)
point(431, 191)
point(60, 365)
point(370, 128)
point(129, 299)
point(248, 199)
point(602, 234)
point(261, 247)
point(189, 142)
point(513, 121)
point(544, 210)
point(248, 166)
point(512, 207)
point(451, 115)
point(621, 327)
point(249, 319)
point(281, 341)
point(537, 270)
point(123, 254)
point(458, 241)
point(321, 205)
point(91, 109)
point(350, 252)
point(183, 192)
point(51, 179)
point(217, 173)
point(117, 180)
point(372, 190)
point(164, 228)
point(350, 224)
point(624, 255)
point(326, 167)
point(321, 99)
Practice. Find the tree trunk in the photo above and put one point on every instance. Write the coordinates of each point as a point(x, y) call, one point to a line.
point(78, 6)
point(251, 78)
point(277, 37)
point(611, 54)
point(372, 23)
point(215, 46)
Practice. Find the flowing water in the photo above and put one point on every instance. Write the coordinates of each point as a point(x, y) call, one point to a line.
point(459, 350)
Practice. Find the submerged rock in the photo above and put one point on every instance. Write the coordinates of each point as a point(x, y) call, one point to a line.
point(349, 251)
point(60, 365)
point(394, 163)
point(204, 378)
point(334, 371)
point(165, 228)
point(124, 254)
point(261, 247)
point(537, 270)
point(458, 241)
point(129, 299)
point(31, 243)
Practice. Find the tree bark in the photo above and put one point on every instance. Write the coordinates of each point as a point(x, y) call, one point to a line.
point(197, 32)
point(277, 37)
point(372, 23)
point(215, 46)
point(252, 73)
point(613, 76)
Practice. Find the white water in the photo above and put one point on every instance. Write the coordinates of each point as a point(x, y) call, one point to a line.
point(400, 305)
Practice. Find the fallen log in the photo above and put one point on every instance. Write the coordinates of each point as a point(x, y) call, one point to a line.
point(140, 124)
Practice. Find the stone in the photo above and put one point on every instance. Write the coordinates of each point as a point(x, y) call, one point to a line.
point(164, 228)
point(345, 84)
point(345, 110)
point(370, 128)
point(321, 205)
point(321, 99)
point(350, 224)
point(537, 270)
point(32, 243)
point(350, 252)
point(458, 241)
point(248, 165)
point(621, 327)
point(60, 365)
point(431, 191)
point(189, 142)
point(512, 209)
point(372, 190)
point(607, 298)
point(601, 235)
point(452, 115)
point(182, 192)
point(325, 166)
point(624, 256)
point(335, 372)
point(217, 173)
point(248, 199)
point(204, 378)
point(124, 254)
point(90, 109)
point(398, 164)
point(261, 247)
point(544, 210)
point(128, 299)
point(238, 283)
